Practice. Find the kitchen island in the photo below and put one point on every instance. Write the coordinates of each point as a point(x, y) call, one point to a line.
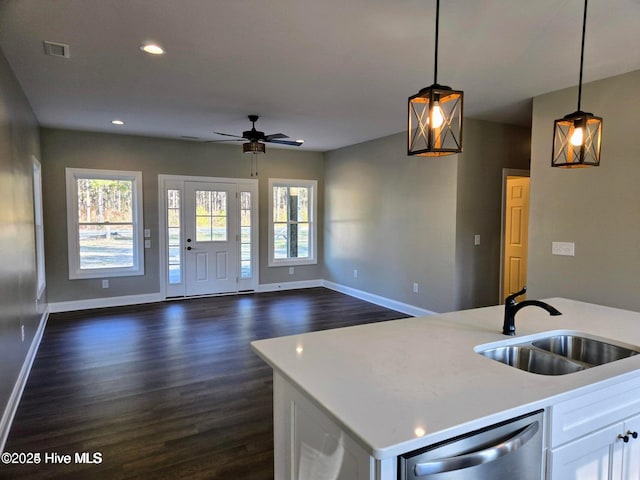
point(378, 391)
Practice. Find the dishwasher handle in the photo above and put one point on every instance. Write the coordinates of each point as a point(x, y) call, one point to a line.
point(480, 457)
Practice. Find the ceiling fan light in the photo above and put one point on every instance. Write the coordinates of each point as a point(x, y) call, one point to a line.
point(253, 147)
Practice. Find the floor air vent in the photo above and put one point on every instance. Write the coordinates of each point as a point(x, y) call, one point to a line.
point(56, 49)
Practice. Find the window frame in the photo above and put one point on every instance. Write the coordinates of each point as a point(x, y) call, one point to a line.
point(38, 223)
point(312, 259)
point(75, 272)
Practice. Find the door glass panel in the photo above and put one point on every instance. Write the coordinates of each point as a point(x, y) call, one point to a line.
point(173, 237)
point(245, 235)
point(211, 216)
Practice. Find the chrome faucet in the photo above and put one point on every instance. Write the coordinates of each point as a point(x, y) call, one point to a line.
point(511, 308)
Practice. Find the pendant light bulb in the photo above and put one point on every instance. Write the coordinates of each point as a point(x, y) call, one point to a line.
point(437, 117)
point(577, 138)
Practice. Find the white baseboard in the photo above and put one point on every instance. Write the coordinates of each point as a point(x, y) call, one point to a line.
point(265, 287)
point(274, 287)
point(12, 406)
point(104, 302)
point(378, 300)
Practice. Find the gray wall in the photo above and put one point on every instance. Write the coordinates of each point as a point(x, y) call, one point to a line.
point(154, 156)
point(399, 219)
point(597, 208)
point(18, 142)
point(488, 149)
point(392, 218)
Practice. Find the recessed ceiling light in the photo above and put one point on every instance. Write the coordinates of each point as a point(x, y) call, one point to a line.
point(117, 122)
point(152, 49)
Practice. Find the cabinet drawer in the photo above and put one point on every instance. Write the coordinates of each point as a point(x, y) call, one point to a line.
point(585, 414)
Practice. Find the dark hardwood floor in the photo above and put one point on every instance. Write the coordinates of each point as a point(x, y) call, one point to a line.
point(168, 390)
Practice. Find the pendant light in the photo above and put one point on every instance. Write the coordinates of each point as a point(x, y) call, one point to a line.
point(578, 135)
point(435, 116)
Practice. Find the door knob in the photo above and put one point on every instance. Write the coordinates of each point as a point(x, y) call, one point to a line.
point(188, 240)
point(188, 248)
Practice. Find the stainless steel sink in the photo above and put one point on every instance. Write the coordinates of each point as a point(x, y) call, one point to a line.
point(558, 353)
point(586, 350)
point(532, 360)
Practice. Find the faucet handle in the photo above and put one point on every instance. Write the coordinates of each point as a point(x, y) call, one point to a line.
point(511, 299)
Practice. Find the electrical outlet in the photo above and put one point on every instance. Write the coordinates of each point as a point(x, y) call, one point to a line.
point(355, 273)
point(415, 288)
point(147, 243)
point(105, 283)
point(291, 270)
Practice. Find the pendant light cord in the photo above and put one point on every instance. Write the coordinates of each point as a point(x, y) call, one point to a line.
point(435, 67)
point(584, 28)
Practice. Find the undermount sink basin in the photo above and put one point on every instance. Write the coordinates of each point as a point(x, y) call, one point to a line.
point(586, 350)
point(532, 360)
point(558, 353)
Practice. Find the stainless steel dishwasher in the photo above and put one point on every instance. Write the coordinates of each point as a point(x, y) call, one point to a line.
point(510, 450)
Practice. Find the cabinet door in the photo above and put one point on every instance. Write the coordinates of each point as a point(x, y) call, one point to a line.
point(309, 445)
point(597, 456)
point(631, 450)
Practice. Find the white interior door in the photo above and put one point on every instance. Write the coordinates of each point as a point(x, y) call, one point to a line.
point(210, 229)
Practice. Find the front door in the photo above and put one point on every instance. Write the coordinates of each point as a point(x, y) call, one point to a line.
point(210, 249)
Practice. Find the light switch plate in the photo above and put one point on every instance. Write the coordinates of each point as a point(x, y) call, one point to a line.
point(563, 248)
point(476, 240)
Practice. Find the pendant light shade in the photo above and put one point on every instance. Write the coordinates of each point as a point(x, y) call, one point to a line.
point(577, 136)
point(435, 116)
point(576, 140)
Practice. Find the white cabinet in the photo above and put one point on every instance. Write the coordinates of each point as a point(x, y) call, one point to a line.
point(631, 450)
point(597, 436)
point(310, 445)
point(593, 457)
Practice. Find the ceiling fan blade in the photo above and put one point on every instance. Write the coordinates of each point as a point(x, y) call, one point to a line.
point(275, 136)
point(229, 140)
point(227, 134)
point(286, 142)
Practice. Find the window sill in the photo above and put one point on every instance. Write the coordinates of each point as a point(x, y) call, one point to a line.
point(292, 263)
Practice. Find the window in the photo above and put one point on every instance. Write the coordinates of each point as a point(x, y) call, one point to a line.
point(104, 223)
point(292, 229)
point(39, 226)
point(245, 235)
point(174, 236)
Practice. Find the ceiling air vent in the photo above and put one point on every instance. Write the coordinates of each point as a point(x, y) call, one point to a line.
point(56, 49)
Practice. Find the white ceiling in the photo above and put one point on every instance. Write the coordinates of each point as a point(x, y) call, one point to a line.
point(333, 72)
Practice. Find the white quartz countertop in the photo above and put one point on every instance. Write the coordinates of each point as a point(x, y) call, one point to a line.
point(400, 385)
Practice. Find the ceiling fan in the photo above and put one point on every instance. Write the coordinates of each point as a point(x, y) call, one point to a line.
point(255, 139)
